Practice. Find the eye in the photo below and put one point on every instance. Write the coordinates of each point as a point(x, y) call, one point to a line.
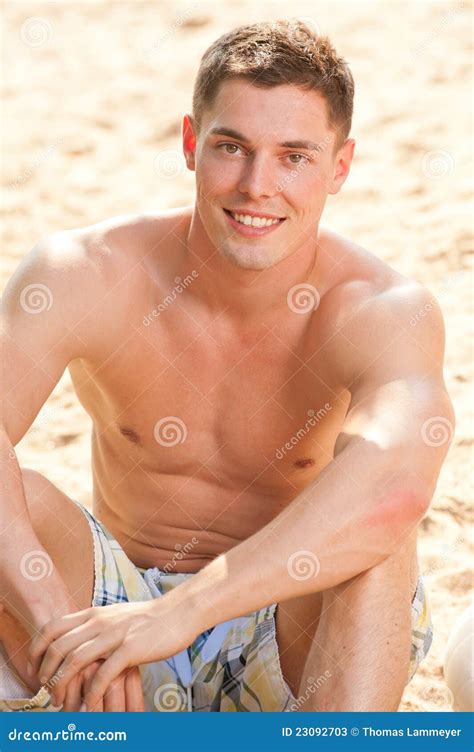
point(226, 145)
point(302, 159)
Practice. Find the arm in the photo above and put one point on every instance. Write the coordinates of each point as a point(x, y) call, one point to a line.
point(356, 513)
point(48, 311)
point(40, 336)
point(362, 506)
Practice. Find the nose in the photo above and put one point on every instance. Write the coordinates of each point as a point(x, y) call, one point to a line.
point(258, 179)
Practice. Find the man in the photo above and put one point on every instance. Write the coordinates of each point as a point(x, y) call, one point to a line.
point(263, 418)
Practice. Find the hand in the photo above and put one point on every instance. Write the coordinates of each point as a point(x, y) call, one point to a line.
point(124, 694)
point(123, 635)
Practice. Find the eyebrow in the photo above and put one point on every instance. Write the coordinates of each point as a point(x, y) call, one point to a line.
point(299, 144)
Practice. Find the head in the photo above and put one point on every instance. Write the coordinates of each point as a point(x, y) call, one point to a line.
point(268, 135)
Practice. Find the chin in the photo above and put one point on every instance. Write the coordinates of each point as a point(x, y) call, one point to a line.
point(248, 259)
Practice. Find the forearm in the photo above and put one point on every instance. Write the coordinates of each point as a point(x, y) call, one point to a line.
point(346, 522)
point(31, 588)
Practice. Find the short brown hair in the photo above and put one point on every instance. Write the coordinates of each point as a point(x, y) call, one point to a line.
point(274, 53)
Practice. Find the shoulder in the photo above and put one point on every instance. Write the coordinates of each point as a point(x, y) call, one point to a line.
point(123, 241)
point(383, 320)
point(54, 264)
point(82, 280)
point(365, 288)
point(102, 253)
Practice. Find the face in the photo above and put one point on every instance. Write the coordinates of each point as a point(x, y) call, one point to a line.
point(265, 161)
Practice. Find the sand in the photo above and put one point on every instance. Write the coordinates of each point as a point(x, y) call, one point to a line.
point(94, 96)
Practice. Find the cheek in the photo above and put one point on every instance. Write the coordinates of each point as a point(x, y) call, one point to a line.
point(213, 180)
point(303, 200)
point(305, 188)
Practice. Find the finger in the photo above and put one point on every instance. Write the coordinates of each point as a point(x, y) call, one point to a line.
point(98, 707)
point(90, 672)
point(49, 673)
point(59, 669)
point(51, 631)
point(73, 698)
point(134, 702)
point(114, 698)
point(65, 666)
point(105, 675)
point(60, 648)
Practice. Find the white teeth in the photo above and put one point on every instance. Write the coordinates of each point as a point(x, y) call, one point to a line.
point(246, 219)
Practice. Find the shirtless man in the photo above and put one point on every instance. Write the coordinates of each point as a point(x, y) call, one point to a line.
point(263, 415)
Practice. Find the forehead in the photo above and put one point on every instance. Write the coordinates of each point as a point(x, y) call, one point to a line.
point(284, 109)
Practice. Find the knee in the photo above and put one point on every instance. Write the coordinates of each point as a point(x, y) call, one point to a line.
point(34, 483)
point(46, 503)
point(63, 531)
point(35, 487)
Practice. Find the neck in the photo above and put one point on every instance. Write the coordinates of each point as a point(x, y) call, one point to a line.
point(245, 294)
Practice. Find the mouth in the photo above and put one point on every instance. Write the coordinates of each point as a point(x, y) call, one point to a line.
point(252, 225)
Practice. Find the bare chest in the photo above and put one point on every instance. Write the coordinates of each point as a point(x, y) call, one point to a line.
point(240, 410)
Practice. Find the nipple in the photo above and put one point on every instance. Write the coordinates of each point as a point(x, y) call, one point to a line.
point(308, 462)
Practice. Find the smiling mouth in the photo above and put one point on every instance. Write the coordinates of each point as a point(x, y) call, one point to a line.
point(259, 222)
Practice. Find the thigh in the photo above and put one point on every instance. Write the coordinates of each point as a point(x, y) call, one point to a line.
point(296, 623)
point(64, 532)
point(311, 625)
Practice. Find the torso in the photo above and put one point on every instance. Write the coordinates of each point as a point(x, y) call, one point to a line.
point(248, 418)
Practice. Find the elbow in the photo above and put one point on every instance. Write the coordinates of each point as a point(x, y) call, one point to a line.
point(406, 505)
point(396, 512)
point(415, 502)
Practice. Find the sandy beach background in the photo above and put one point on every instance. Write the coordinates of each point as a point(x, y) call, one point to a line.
point(93, 99)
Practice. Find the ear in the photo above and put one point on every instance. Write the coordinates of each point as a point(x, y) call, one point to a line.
point(342, 165)
point(189, 141)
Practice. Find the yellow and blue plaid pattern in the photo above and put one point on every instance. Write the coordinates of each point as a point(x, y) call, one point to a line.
point(242, 674)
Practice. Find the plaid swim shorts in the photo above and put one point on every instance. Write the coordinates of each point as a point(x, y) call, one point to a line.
point(233, 667)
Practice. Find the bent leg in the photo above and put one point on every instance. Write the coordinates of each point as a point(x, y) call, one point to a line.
point(64, 533)
point(358, 659)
